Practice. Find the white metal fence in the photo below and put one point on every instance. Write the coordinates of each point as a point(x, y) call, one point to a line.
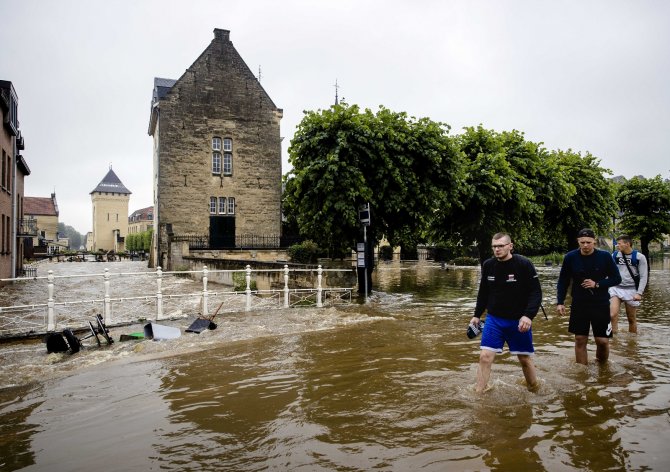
point(137, 296)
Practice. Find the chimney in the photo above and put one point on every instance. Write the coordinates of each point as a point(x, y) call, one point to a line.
point(221, 34)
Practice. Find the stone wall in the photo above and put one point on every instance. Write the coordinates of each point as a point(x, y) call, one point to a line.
point(218, 96)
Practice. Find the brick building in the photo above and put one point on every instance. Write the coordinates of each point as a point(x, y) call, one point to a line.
point(13, 169)
point(217, 152)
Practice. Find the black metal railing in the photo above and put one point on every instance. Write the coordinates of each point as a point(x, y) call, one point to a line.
point(243, 241)
point(27, 227)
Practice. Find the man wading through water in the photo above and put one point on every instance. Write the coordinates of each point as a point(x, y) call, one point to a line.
point(592, 272)
point(510, 294)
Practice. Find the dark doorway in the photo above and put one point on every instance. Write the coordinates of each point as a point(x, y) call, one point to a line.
point(221, 232)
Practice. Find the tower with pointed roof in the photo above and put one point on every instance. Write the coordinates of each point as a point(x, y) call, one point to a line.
point(110, 213)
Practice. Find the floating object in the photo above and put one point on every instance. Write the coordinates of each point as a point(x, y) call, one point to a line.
point(131, 337)
point(157, 332)
point(67, 341)
point(201, 324)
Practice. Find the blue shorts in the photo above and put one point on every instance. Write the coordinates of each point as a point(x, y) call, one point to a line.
point(498, 330)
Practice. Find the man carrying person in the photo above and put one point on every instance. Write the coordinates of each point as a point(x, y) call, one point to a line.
point(510, 295)
point(591, 272)
point(633, 270)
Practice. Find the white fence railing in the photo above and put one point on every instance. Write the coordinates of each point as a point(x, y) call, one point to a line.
point(122, 298)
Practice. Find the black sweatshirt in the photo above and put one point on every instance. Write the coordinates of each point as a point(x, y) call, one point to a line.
point(509, 289)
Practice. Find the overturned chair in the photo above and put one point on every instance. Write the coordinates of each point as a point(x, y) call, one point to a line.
point(67, 341)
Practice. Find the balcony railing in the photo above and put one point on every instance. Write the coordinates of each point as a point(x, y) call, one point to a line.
point(243, 241)
point(27, 227)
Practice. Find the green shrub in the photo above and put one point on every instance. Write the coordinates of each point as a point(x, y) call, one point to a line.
point(240, 282)
point(554, 258)
point(306, 252)
point(466, 261)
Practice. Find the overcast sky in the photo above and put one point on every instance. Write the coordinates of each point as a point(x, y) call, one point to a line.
point(587, 75)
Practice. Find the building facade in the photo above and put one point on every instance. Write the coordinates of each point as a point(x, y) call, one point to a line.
point(13, 170)
point(217, 152)
point(110, 214)
point(141, 220)
point(43, 211)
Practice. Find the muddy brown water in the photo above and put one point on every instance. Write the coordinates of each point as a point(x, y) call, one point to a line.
point(385, 385)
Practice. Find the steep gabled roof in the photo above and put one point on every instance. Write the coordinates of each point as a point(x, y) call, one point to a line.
point(39, 206)
point(111, 183)
point(142, 214)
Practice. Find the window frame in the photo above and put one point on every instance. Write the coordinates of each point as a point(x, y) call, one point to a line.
point(222, 205)
point(227, 163)
point(231, 206)
point(216, 163)
point(216, 144)
point(212, 205)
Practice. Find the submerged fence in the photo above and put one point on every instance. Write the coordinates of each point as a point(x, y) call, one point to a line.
point(72, 300)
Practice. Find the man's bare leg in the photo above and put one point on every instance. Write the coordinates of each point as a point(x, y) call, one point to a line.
point(615, 305)
point(602, 349)
point(528, 368)
point(631, 312)
point(484, 370)
point(581, 355)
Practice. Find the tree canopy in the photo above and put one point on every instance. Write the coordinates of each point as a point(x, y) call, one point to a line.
point(645, 209)
point(425, 186)
point(342, 157)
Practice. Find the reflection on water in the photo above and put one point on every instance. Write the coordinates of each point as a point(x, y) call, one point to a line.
point(386, 386)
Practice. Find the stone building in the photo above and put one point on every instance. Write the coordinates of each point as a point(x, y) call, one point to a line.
point(110, 214)
point(141, 220)
point(13, 228)
point(217, 153)
point(44, 212)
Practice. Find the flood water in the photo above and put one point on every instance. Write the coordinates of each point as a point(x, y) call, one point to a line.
point(386, 385)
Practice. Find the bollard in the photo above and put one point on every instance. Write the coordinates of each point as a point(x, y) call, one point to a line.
point(159, 293)
point(108, 302)
point(205, 297)
point(51, 325)
point(248, 279)
point(286, 292)
point(319, 271)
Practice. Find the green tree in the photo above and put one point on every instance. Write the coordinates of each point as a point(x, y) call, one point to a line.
point(75, 239)
point(146, 240)
point(131, 242)
point(341, 157)
point(645, 207)
point(585, 197)
point(504, 175)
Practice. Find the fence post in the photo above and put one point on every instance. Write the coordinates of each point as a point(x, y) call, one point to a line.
point(159, 293)
point(248, 279)
point(51, 325)
point(108, 302)
point(286, 292)
point(319, 271)
point(205, 296)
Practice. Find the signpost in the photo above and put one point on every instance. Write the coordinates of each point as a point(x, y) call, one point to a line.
point(361, 249)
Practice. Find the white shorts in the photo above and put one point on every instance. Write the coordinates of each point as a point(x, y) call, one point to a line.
point(625, 294)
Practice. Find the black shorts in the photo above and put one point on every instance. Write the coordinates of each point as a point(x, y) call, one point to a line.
point(583, 317)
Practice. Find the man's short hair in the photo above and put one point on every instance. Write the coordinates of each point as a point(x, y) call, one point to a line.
point(502, 235)
point(625, 238)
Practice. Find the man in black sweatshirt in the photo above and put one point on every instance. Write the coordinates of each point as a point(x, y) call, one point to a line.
point(510, 295)
point(591, 272)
